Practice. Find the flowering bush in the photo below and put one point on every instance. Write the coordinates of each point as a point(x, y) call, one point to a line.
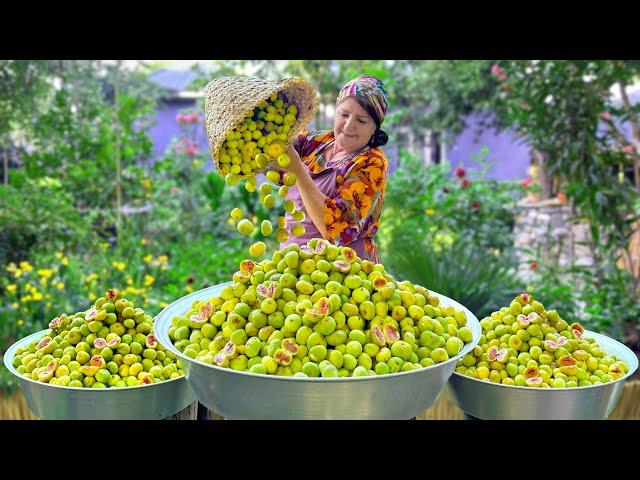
point(428, 202)
point(529, 187)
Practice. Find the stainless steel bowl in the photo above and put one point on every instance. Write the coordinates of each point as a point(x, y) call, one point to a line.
point(55, 402)
point(494, 401)
point(243, 395)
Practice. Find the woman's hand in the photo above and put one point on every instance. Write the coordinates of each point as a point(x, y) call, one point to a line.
point(296, 164)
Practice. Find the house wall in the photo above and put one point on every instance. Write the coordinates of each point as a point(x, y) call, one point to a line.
point(166, 127)
point(509, 155)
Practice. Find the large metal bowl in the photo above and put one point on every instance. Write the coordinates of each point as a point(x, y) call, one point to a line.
point(56, 402)
point(243, 395)
point(494, 401)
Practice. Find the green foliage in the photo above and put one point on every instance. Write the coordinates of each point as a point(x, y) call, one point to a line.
point(428, 202)
point(452, 234)
point(481, 282)
point(40, 214)
point(565, 110)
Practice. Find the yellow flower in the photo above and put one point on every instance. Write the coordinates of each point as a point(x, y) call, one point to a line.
point(129, 281)
point(44, 281)
point(92, 297)
point(65, 261)
point(20, 322)
point(11, 267)
point(148, 280)
point(37, 296)
point(45, 272)
point(119, 265)
point(14, 305)
point(90, 278)
point(48, 305)
point(58, 255)
point(18, 273)
point(26, 266)
point(163, 259)
point(430, 211)
point(188, 288)
point(104, 245)
point(148, 258)
point(25, 299)
point(59, 285)
point(164, 304)
point(146, 183)
point(11, 287)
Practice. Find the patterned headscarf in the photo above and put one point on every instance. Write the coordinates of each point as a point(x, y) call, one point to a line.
point(370, 88)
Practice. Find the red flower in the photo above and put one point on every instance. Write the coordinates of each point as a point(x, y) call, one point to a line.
point(191, 151)
point(465, 183)
point(460, 172)
point(475, 204)
point(527, 182)
point(193, 117)
point(627, 149)
point(180, 118)
point(533, 265)
point(190, 280)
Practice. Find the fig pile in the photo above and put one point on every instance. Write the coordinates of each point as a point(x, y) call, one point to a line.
point(317, 310)
point(259, 144)
point(109, 345)
point(527, 346)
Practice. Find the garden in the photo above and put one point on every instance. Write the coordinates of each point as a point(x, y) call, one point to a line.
point(86, 206)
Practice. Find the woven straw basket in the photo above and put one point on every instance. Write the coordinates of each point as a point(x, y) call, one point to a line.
point(228, 99)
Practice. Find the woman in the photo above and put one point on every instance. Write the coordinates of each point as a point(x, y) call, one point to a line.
point(341, 174)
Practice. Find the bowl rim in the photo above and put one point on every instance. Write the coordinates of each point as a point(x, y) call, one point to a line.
point(161, 316)
point(587, 333)
point(10, 354)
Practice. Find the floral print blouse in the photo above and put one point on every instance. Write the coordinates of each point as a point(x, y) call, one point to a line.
point(353, 212)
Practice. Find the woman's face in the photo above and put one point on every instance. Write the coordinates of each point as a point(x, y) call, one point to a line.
point(352, 125)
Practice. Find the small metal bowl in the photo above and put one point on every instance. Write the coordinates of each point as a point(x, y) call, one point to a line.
point(494, 401)
point(56, 402)
point(243, 395)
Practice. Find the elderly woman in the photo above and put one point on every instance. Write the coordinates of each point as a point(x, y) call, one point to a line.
point(341, 173)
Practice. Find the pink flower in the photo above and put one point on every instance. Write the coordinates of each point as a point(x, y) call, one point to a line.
point(606, 116)
point(193, 117)
point(460, 172)
point(627, 149)
point(180, 118)
point(525, 106)
point(498, 72)
point(465, 183)
point(191, 151)
point(526, 183)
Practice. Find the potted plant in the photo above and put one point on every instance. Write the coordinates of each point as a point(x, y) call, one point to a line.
point(531, 189)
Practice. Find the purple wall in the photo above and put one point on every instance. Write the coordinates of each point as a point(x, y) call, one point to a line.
point(510, 157)
point(166, 128)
